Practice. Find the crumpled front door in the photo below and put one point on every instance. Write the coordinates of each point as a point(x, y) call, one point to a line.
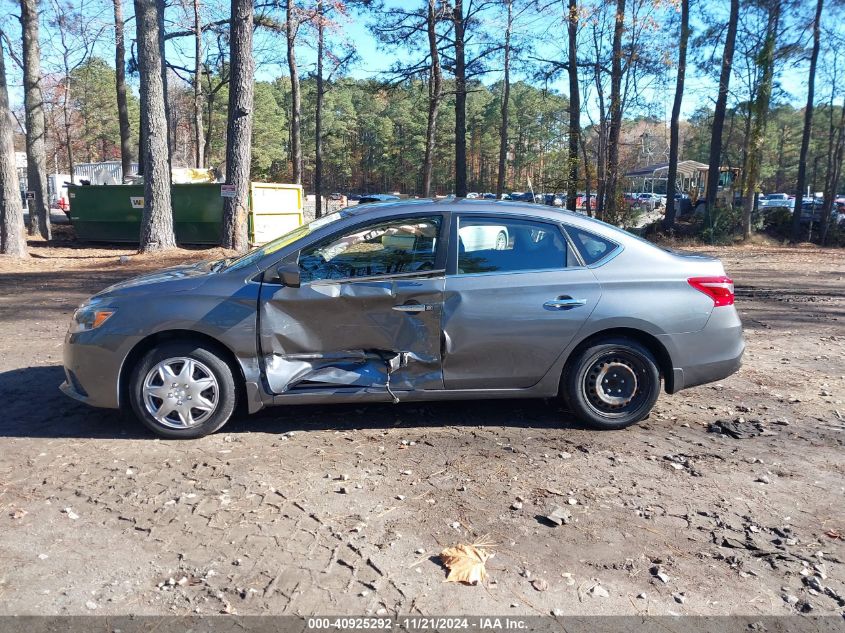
point(373, 335)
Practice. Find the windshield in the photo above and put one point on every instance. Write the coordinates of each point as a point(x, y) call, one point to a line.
point(280, 242)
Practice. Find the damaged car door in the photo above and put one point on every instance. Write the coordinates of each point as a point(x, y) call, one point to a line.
point(366, 313)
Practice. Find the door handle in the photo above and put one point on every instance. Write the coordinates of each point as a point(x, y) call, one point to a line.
point(564, 303)
point(413, 307)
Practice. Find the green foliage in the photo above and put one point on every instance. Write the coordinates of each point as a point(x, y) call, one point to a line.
point(93, 111)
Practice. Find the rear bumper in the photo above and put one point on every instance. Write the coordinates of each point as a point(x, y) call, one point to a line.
point(711, 354)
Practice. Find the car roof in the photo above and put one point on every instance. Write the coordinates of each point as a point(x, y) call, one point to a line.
point(379, 210)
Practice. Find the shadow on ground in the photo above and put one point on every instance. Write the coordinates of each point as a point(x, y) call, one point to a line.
point(33, 406)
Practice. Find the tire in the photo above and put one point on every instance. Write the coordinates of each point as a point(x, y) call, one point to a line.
point(597, 384)
point(501, 241)
point(211, 387)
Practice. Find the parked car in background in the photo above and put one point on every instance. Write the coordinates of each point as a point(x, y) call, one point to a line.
point(651, 200)
point(555, 199)
point(584, 201)
point(489, 196)
point(411, 302)
point(520, 196)
point(377, 197)
point(773, 200)
point(472, 195)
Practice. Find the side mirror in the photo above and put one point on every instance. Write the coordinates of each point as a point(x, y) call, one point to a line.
point(289, 274)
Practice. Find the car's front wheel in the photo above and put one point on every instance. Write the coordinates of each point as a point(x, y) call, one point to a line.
point(612, 384)
point(182, 390)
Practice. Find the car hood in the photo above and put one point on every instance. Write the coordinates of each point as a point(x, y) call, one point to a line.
point(176, 278)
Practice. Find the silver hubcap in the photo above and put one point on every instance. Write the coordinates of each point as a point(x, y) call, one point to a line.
point(616, 384)
point(501, 242)
point(180, 392)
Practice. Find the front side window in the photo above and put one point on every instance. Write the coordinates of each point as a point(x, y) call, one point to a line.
point(489, 245)
point(403, 245)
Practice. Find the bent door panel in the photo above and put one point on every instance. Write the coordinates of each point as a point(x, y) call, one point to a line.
point(359, 333)
point(347, 334)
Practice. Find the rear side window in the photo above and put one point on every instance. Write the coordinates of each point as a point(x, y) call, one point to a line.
point(490, 245)
point(591, 247)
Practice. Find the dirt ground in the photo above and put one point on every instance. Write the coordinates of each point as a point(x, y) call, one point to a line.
point(98, 516)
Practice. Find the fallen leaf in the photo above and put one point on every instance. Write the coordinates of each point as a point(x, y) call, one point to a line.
point(465, 563)
point(833, 534)
point(18, 514)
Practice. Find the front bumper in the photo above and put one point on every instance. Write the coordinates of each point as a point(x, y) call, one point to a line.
point(92, 362)
point(711, 354)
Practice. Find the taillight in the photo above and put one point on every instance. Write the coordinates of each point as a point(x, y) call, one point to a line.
point(720, 289)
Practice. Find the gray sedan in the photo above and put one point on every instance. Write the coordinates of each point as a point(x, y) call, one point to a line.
point(390, 302)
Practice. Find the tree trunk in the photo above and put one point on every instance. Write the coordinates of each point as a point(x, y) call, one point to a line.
point(67, 125)
point(587, 178)
point(157, 219)
point(296, 104)
point(611, 193)
point(460, 102)
point(808, 124)
point(715, 160)
point(435, 93)
point(506, 94)
point(836, 147)
point(760, 113)
point(36, 160)
point(601, 149)
point(239, 130)
point(12, 240)
point(781, 165)
point(318, 116)
point(574, 109)
point(120, 86)
point(672, 176)
point(199, 136)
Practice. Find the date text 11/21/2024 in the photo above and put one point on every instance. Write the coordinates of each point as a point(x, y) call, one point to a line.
point(421, 623)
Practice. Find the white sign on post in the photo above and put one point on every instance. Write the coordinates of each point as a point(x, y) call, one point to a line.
point(227, 191)
point(30, 195)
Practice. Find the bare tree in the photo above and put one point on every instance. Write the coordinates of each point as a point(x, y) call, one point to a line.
point(808, 123)
point(574, 108)
point(318, 116)
point(157, 219)
point(672, 176)
point(12, 240)
point(759, 113)
point(506, 95)
point(296, 101)
point(36, 160)
point(458, 20)
point(199, 154)
point(239, 133)
point(77, 36)
point(612, 184)
point(120, 87)
point(715, 160)
point(435, 94)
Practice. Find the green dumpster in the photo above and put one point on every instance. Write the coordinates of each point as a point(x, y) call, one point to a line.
point(112, 213)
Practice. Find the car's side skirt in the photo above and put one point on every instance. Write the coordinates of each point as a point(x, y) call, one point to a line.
point(332, 396)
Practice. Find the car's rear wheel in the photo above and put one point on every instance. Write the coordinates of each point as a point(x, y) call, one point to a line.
point(182, 391)
point(612, 383)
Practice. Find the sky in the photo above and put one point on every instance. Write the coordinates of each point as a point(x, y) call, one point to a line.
point(374, 61)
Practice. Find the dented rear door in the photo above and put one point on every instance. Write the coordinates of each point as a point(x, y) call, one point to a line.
point(376, 332)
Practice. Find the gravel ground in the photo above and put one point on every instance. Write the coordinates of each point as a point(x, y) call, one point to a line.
point(97, 516)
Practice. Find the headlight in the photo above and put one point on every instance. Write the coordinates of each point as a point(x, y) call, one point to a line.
point(89, 317)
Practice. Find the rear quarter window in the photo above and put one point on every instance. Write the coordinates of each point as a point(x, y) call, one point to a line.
point(592, 248)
